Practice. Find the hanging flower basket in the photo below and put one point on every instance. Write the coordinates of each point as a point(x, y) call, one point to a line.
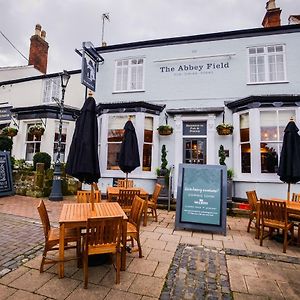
point(165, 130)
point(36, 130)
point(9, 131)
point(224, 129)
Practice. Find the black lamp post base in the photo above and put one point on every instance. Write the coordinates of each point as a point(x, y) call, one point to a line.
point(56, 191)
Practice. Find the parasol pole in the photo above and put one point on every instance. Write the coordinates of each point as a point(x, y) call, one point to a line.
point(126, 181)
point(92, 196)
point(288, 192)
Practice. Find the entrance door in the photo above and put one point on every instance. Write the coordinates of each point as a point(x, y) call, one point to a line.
point(194, 151)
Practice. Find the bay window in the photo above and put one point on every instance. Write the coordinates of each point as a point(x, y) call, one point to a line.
point(267, 64)
point(260, 139)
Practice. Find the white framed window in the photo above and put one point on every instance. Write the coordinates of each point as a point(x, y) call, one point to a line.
point(114, 139)
point(63, 142)
point(267, 64)
point(148, 144)
point(245, 145)
point(52, 89)
point(260, 140)
point(33, 143)
point(129, 75)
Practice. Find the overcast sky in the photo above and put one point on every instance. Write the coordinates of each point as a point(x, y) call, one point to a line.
point(70, 22)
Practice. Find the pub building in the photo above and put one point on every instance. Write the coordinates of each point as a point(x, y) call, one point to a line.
point(246, 78)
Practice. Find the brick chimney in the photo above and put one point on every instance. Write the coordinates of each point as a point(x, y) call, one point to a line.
point(38, 53)
point(272, 16)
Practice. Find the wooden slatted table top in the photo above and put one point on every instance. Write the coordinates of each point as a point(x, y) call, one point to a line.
point(292, 207)
point(80, 212)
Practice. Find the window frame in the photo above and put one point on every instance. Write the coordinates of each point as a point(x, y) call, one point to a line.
point(255, 139)
point(138, 172)
point(34, 141)
point(130, 67)
point(266, 55)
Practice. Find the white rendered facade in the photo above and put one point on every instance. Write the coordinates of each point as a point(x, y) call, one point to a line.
point(194, 77)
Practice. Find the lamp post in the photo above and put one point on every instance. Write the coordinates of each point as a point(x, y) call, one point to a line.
point(56, 191)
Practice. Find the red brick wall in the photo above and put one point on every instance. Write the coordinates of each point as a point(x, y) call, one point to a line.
point(38, 55)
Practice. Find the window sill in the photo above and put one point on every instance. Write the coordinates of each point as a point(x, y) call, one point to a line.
point(254, 179)
point(267, 82)
point(126, 92)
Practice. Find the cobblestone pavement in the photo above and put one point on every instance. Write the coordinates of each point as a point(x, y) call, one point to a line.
point(197, 273)
point(21, 240)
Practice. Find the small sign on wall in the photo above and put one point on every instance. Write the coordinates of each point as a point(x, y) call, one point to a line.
point(201, 198)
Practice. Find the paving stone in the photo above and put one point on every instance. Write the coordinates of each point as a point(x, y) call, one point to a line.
point(155, 244)
point(126, 280)
point(263, 287)
point(96, 273)
point(161, 270)
point(243, 296)
point(6, 291)
point(141, 266)
point(13, 275)
point(18, 295)
point(146, 285)
point(160, 256)
point(291, 291)
point(170, 246)
point(93, 292)
point(117, 295)
point(31, 280)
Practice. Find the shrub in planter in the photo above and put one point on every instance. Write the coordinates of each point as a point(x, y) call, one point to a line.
point(42, 157)
point(6, 143)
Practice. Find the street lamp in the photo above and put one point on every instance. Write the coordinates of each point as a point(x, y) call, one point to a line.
point(56, 191)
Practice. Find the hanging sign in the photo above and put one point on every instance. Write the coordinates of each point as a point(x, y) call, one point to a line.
point(201, 198)
point(90, 59)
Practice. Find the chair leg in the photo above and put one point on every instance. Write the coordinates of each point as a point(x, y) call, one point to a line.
point(85, 270)
point(118, 266)
point(43, 260)
point(298, 239)
point(248, 227)
point(139, 246)
point(285, 232)
point(261, 236)
point(155, 212)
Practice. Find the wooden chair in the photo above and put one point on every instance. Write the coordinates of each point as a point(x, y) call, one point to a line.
point(134, 222)
point(152, 202)
point(125, 198)
point(52, 237)
point(103, 236)
point(295, 197)
point(85, 196)
point(252, 199)
point(273, 214)
point(295, 218)
point(125, 183)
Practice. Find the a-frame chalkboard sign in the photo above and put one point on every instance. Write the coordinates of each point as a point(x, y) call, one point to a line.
point(6, 183)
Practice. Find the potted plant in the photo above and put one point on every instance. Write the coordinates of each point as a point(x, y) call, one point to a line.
point(222, 158)
point(165, 129)
point(9, 131)
point(163, 172)
point(224, 129)
point(37, 130)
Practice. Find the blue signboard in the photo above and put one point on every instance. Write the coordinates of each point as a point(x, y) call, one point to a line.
point(88, 72)
point(201, 198)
